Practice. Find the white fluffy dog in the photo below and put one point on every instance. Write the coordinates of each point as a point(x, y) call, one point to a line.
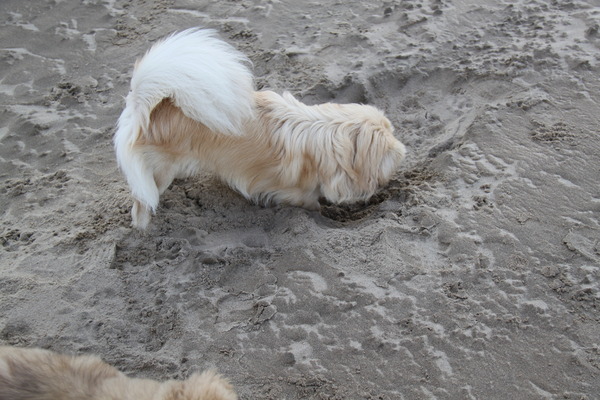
point(192, 106)
point(35, 374)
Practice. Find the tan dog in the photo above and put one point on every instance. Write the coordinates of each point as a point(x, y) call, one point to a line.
point(192, 107)
point(35, 374)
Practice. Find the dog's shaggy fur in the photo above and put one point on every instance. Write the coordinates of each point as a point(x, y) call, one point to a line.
point(192, 107)
point(35, 374)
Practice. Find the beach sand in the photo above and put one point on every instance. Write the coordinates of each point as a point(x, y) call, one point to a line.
point(473, 275)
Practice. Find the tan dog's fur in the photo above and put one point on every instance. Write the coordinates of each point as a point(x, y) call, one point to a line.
point(291, 153)
point(36, 374)
point(192, 107)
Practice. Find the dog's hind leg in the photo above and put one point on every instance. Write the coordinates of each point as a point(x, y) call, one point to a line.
point(162, 170)
point(164, 177)
point(140, 215)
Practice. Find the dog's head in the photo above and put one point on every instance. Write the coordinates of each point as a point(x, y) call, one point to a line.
point(378, 152)
point(366, 152)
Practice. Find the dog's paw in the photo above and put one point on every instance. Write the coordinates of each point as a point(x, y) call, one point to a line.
point(311, 205)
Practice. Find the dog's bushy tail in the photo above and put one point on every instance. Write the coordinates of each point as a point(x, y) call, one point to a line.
point(204, 76)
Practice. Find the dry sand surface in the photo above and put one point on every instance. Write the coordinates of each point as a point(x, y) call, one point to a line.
point(474, 275)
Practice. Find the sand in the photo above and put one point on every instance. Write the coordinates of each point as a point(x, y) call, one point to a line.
point(473, 275)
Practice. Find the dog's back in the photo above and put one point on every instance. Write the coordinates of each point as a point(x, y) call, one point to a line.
point(35, 374)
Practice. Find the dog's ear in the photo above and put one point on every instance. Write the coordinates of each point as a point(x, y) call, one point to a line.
point(370, 146)
point(377, 153)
